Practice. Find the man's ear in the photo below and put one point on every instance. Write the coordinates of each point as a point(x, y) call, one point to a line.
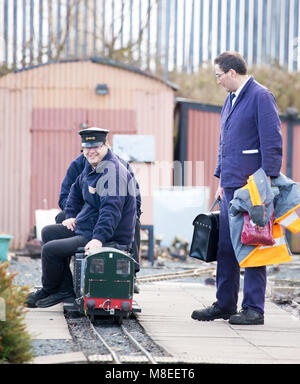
point(233, 73)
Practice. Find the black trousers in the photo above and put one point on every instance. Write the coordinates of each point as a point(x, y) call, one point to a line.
point(60, 243)
point(136, 244)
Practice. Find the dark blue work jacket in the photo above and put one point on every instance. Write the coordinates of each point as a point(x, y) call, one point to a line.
point(250, 136)
point(76, 168)
point(103, 202)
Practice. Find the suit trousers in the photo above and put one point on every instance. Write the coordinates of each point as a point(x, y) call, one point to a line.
point(228, 270)
point(60, 243)
point(136, 243)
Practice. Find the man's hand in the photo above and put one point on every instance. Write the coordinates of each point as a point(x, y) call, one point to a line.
point(93, 244)
point(70, 223)
point(219, 192)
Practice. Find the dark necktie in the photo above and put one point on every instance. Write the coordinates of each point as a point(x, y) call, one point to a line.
point(232, 96)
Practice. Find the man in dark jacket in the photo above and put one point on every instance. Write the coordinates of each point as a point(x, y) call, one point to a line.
point(250, 139)
point(76, 167)
point(100, 210)
point(74, 170)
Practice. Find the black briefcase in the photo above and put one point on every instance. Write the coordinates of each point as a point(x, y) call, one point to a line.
point(206, 236)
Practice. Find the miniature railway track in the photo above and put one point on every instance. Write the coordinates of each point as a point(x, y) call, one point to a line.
point(125, 343)
point(176, 275)
point(138, 345)
point(114, 357)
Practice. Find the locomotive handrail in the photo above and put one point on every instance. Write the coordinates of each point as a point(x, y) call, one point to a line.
point(108, 249)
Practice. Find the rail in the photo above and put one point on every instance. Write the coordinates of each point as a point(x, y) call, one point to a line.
point(176, 275)
point(116, 359)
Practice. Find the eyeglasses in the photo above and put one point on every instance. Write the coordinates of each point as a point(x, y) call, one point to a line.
point(219, 75)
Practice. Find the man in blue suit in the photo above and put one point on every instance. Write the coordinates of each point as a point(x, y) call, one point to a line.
point(250, 138)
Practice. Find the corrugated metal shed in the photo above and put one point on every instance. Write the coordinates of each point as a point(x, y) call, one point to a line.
point(43, 108)
point(198, 127)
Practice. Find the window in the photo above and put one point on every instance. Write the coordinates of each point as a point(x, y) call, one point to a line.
point(123, 267)
point(97, 266)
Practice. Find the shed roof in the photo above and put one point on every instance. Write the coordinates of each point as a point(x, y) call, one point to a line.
point(106, 61)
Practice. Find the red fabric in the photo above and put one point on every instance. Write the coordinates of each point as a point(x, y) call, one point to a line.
point(252, 234)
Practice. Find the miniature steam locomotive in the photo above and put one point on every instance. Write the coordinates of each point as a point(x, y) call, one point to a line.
point(104, 284)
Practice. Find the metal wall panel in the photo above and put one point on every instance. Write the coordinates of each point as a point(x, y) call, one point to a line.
point(116, 120)
point(154, 114)
point(202, 149)
point(296, 153)
point(295, 239)
point(85, 74)
point(284, 132)
point(54, 145)
point(15, 157)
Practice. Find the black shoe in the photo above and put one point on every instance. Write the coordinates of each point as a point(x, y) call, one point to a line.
point(55, 298)
point(33, 297)
point(211, 313)
point(247, 316)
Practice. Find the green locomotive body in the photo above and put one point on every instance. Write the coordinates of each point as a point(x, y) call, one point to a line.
point(104, 283)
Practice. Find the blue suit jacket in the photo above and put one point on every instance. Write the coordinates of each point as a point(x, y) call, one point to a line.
point(250, 136)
